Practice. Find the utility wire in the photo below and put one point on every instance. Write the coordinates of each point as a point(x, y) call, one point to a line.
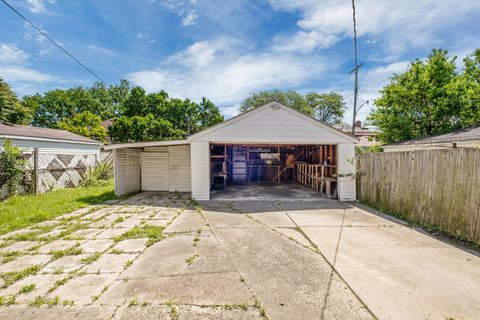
point(54, 42)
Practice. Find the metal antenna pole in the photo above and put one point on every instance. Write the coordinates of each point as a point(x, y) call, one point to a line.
point(355, 92)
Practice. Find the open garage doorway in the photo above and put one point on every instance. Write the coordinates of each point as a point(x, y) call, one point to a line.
point(273, 172)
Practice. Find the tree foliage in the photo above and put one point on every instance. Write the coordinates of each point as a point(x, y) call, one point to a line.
point(137, 116)
point(85, 124)
point(326, 107)
point(431, 97)
point(12, 171)
point(11, 109)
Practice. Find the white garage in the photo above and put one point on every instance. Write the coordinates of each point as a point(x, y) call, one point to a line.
point(272, 147)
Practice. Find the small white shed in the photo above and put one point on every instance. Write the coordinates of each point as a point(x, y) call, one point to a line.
point(252, 147)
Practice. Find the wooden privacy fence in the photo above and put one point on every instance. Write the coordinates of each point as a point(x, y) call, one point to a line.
point(432, 187)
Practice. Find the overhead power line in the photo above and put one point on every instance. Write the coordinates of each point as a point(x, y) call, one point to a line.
point(54, 42)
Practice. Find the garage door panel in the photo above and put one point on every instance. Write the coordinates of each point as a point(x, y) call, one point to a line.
point(155, 173)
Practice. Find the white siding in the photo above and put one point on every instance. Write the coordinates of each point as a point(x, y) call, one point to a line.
point(200, 162)
point(179, 168)
point(346, 165)
point(271, 125)
point(155, 175)
point(127, 171)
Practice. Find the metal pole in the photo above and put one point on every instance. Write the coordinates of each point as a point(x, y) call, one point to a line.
point(355, 92)
point(35, 170)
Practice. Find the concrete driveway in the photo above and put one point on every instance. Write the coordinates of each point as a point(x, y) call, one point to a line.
point(158, 256)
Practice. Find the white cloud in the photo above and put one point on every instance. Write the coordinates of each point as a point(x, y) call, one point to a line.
point(202, 53)
point(190, 19)
point(10, 53)
point(402, 24)
point(39, 6)
point(22, 73)
point(304, 42)
point(228, 78)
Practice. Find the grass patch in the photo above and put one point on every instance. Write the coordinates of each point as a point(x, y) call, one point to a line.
point(6, 301)
point(174, 315)
point(22, 211)
point(27, 288)
point(116, 251)
point(14, 276)
point(153, 233)
point(73, 251)
point(94, 257)
point(39, 301)
point(133, 302)
point(95, 298)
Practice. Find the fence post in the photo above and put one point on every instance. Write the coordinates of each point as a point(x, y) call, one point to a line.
point(35, 170)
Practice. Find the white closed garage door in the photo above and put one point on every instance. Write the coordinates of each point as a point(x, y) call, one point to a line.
point(155, 175)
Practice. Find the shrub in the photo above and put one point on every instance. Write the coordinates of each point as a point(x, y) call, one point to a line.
point(98, 176)
point(12, 171)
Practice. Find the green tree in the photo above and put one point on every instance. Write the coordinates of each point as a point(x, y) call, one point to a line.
point(136, 128)
point(85, 124)
point(418, 102)
point(290, 98)
point(207, 115)
point(11, 109)
point(136, 104)
point(327, 107)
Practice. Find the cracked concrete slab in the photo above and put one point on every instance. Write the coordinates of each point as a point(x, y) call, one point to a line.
point(58, 245)
point(57, 313)
point(131, 245)
point(99, 245)
point(24, 262)
point(19, 246)
point(42, 282)
point(83, 289)
point(198, 289)
point(264, 258)
point(65, 264)
point(110, 233)
point(187, 221)
point(88, 233)
point(110, 263)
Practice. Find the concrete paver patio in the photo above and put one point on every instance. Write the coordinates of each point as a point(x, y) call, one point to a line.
point(160, 256)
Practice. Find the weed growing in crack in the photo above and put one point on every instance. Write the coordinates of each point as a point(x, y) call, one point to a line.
point(8, 300)
point(95, 298)
point(174, 315)
point(92, 258)
point(133, 302)
point(39, 301)
point(68, 303)
point(190, 259)
point(116, 251)
point(27, 288)
point(128, 263)
point(153, 233)
point(242, 279)
point(14, 276)
point(72, 251)
point(261, 310)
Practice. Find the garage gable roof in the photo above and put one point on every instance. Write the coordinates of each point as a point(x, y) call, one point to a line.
point(273, 106)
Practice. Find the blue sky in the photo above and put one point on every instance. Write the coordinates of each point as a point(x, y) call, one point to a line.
point(226, 49)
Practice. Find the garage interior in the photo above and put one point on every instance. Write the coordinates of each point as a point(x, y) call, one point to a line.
point(279, 171)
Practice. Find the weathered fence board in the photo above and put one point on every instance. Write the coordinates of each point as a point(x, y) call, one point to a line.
point(433, 187)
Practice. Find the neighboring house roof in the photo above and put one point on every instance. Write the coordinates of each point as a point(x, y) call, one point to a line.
point(359, 131)
point(106, 123)
point(463, 135)
point(249, 113)
point(8, 130)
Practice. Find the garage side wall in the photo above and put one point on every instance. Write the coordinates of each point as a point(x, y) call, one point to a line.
point(127, 171)
point(346, 172)
point(200, 158)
